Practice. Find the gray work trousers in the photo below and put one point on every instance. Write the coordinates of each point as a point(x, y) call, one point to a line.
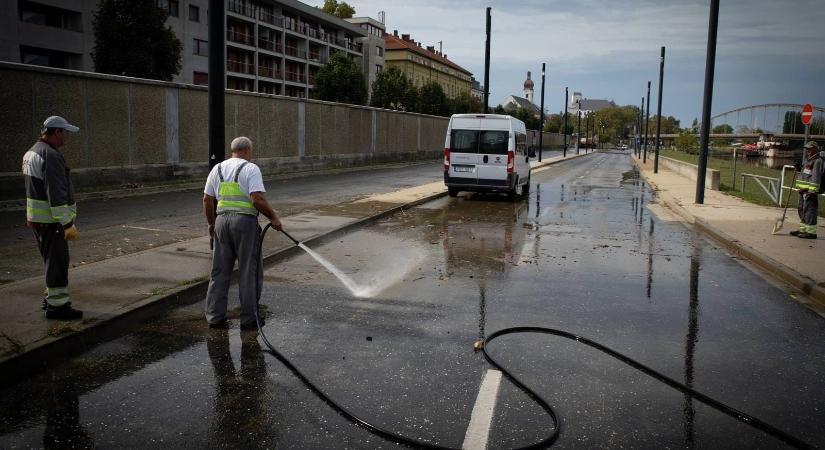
point(236, 238)
point(808, 207)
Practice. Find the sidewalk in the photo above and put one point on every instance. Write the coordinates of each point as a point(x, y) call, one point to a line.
point(173, 274)
point(745, 229)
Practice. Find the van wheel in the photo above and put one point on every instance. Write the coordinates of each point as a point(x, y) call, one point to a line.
point(453, 192)
point(525, 190)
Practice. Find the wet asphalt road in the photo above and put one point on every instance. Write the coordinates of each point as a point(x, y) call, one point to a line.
point(583, 253)
point(116, 227)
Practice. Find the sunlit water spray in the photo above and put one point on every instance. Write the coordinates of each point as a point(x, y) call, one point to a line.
point(384, 274)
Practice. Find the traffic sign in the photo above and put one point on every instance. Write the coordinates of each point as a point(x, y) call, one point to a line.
point(807, 113)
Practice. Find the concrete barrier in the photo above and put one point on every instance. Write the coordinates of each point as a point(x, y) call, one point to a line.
point(136, 131)
point(691, 171)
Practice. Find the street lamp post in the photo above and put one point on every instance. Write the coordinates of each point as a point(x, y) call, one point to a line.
point(647, 123)
point(541, 121)
point(217, 83)
point(486, 67)
point(565, 122)
point(710, 67)
point(579, 131)
point(659, 111)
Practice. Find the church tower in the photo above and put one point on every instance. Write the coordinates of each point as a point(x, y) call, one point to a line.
point(528, 88)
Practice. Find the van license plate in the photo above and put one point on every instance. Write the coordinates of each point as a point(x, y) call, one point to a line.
point(463, 168)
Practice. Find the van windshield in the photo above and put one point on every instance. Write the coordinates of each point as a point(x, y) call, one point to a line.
point(494, 142)
point(464, 141)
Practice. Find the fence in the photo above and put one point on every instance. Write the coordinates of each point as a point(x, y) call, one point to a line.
point(139, 130)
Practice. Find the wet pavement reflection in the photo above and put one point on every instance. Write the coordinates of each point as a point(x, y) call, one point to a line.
point(583, 253)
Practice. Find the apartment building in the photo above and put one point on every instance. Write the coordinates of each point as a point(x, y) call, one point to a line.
point(423, 64)
point(271, 46)
point(373, 46)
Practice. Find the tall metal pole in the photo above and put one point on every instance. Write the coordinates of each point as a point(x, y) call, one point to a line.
point(541, 121)
point(659, 110)
point(566, 98)
point(710, 67)
point(217, 82)
point(487, 67)
point(647, 123)
point(804, 143)
point(579, 132)
point(641, 128)
point(587, 134)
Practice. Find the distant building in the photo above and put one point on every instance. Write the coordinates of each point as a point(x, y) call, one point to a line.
point(513, 102)
point(422, 65)
point(586, 106)
point(477, 91)
point(373, 59)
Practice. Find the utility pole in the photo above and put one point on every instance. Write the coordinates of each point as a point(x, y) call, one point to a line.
point(217, 82)
point(659, 110)
point(587, 133)
point(647, 123)
point(565, 121)
point(487, 67)
point(642, 128)
point(579, 131)
point(541, 121)
point(710, 67)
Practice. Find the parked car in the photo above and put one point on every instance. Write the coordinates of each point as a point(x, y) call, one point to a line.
point(486, 153)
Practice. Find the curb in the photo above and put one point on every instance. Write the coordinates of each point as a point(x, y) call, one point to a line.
point(767, 264)
point(49, 351)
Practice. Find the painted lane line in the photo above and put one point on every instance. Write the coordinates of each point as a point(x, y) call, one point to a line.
point(481, 419)
point(143, 228)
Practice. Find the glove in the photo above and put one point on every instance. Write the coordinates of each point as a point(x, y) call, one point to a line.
point(70, 233)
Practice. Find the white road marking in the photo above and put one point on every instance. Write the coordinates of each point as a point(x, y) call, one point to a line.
point(142, 228)
point(481, 420)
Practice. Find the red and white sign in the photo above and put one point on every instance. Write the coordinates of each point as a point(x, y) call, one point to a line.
point(807, 113)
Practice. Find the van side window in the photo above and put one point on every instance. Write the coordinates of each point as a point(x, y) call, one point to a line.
point(464, 141)
point(521, 144)
point(494, 142)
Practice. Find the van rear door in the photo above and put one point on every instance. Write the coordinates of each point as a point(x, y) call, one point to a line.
point(492, 157)
point(464, 155)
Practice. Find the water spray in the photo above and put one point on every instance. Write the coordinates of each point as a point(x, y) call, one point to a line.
point(555, 421)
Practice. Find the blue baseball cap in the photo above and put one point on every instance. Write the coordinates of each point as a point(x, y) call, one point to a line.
point(59, 122)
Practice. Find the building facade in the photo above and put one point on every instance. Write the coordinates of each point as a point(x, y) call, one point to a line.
point(477, 90)
point(271, 46)
point(373, 48)
point(586, 105)
point(422, 65)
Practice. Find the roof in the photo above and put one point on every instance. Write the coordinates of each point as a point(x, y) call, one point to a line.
point(392, 42)
point(318, 14)
point(595, 105)
point(522, 103)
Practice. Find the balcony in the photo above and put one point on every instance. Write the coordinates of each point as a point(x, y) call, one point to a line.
point(272, 46)
point(270, 18)
point(317, 58)
point(240, 38)
point(295, 52)
point(270, 72)
point(295, 77)
point(240, 67)
point(311, 79)
point(242, 7)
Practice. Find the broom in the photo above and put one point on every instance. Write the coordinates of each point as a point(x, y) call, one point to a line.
point(780, 222)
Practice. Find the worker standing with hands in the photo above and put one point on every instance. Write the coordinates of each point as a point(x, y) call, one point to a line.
point(51, 211)
point(809, 183)
point(238, 187)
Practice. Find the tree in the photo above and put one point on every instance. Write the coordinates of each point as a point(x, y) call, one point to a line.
point(342, 10)
point(499, 110)
point(341, 80)
point(432, 100)
point(686, 140)
point(393, 90)
point(722, 129)
point(132, 39)
point(465, 103)
point(530, 121)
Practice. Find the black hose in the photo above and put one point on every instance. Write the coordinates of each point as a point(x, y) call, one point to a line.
point(556, 428)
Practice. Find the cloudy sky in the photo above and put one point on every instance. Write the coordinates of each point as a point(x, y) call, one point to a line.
point(768, 50)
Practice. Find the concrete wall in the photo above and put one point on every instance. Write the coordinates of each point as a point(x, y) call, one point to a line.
point(712, 176)
point(550, 140)
point(134, 131)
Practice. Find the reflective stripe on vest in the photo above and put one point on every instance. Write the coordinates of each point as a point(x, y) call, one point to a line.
point(39, 211)
point(231, 198)
point(806, 184)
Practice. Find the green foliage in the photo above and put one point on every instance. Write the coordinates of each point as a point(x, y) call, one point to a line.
point(793, 124)
point(530, 121)
point(614, 124)
point(465, 103)
point(393, 90)
point(686, 140)
point(342, 10)
point(132, 39)
point(432, 100)
point(722, 129)
point(498, 110)
point(341, 80)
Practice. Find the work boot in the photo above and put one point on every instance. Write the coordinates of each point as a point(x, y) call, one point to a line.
point(806, 236)
point(795, 233)
point(63, 312)
point(252, 325)
point(220, 325)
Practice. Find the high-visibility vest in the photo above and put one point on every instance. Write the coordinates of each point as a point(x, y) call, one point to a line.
point(231, 200)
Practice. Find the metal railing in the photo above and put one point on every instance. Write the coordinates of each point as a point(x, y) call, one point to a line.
point(295, 77)
point(240, 67)
point(269, 72)
point(241, 38)
point(295, 52)
point(242, 7)
point(271, 18)
point(273, 46)
point(317, 57)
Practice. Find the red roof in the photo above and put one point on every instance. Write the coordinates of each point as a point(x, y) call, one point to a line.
point(392, 42)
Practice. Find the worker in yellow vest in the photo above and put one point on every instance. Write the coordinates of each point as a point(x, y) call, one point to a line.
point(809, 185)
point(238, 187)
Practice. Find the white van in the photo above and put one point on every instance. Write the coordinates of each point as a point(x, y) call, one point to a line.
point(486, 153)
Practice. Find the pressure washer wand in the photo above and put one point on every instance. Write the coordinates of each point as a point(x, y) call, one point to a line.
point(269, 225)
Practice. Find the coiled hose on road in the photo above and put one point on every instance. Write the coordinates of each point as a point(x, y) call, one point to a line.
point(556, 422)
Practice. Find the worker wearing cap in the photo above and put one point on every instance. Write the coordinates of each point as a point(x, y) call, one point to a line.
point(238, 187)
point(808, 183)
point(51, 211)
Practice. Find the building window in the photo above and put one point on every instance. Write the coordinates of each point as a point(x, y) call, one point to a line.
point(194, 13)
point(201, 78)
point(170, 6)
point(379, 51)
point(200, 47)
point(378, 68)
